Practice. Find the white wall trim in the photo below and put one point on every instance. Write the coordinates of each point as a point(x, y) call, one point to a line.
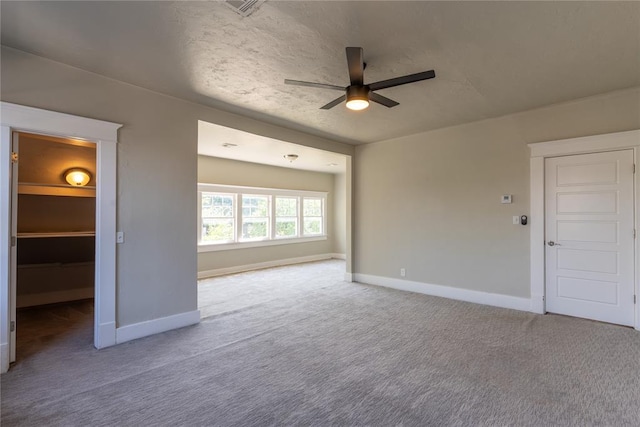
point(478, 297)
point(4, 357)
point(105, 135)
point(156, 326)
point(205, 274)
point(348, 277)
point(586, 144)
point(36, 120)
point(542, 150)
point(339, 256)
point(5, 242)
point(29, 300)
point(217, 247)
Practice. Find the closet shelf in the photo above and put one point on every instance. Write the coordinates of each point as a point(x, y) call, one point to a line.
point(57, 234)
point(55, 190)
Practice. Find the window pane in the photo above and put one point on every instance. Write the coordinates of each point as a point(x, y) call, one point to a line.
point(286, 206)
point(254, 228)
point(312, 207)
point(217, 205)
point(286, 227)
point(312, 226)
point(255, 206)
point(217, 230)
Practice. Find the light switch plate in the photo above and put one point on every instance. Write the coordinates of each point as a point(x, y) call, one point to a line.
point(120, 237)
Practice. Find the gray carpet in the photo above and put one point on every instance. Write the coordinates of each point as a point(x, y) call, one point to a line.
point(297, 346)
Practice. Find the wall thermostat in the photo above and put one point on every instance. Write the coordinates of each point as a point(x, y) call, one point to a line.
point(506, 198)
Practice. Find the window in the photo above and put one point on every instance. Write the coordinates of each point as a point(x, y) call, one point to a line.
point(255, 217)
point(217, 218)
point(313, 216)
point(235, 217)
point(286, 217)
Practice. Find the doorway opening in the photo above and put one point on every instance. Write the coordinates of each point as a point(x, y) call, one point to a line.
point(53, 206)
point(104, 135)
point(264, 202)
point(580, 217)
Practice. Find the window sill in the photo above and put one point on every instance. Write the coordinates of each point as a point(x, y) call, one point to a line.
point(243, 245)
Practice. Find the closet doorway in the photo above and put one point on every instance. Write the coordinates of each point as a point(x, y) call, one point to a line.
point(54, 215)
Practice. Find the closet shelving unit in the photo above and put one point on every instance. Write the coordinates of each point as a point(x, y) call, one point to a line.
point(54, 258)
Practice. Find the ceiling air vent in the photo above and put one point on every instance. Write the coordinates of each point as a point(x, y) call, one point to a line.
point(244, 7)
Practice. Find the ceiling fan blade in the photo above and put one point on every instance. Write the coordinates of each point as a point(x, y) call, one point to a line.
point(356, 65)
point(311, 84)
point(383, 100)
point(397, 81)
point(334, 103)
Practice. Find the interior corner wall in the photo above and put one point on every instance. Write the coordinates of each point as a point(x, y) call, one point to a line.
point(156, 173)
point(214, 170)
point(430, 203)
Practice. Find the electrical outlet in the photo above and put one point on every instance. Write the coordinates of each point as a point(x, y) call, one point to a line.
point(403, 272)
point(516, 220)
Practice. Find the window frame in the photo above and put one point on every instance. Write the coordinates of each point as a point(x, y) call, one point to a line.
point(298, 216)
point(237, 193)
point(233, 218)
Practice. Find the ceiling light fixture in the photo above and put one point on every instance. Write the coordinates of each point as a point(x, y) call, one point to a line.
point(229, 145)
point(77, 177)
point(357, 97)
point(291, 157)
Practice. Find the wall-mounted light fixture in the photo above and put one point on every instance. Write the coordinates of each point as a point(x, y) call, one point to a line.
point(77, 177)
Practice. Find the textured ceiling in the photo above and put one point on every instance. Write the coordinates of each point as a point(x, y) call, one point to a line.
point(219, 141)
point(491, 58)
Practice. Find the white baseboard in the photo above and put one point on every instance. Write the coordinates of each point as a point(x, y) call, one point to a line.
point(537, 304)
point(28, 300)
point(106, 334)
point(260, 265)
point(348, 277)
point(4, 357)
point(155, 326)
point(478, 297)
point(338, 256)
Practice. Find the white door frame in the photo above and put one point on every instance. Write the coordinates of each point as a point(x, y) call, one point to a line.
point(15, 117)
point(565, 147)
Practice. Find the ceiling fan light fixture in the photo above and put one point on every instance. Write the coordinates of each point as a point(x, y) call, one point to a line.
point(357, 104)
point(357, 97)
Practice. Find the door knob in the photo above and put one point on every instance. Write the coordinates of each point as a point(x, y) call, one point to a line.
point(552, 243)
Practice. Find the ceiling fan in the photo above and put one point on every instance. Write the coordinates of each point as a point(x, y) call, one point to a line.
point(359, 94)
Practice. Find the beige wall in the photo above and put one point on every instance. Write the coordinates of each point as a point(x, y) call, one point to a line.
point(157, 163)
point(340, 214)
point(214, 170)
point(430, 202)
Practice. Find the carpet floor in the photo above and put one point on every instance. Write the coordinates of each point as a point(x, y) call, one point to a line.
point(298, 346)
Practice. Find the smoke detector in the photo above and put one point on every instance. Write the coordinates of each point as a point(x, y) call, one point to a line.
point(244, 7)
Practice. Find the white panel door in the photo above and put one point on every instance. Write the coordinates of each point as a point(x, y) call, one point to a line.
point(590, 236)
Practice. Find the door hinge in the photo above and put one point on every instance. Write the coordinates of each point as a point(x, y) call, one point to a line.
point(634, 233)
point(634, 299)
point(14, 157)
point(12, 325)
point(13, 240)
